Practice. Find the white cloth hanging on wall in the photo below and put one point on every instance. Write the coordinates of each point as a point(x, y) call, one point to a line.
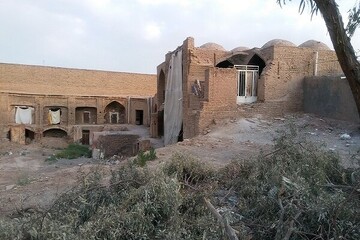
point(23, 115)
point(173, 109)
point(54, 117)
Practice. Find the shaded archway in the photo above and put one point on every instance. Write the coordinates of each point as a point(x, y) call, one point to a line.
point(55, 132)
point(256, 60)
point(115, 113)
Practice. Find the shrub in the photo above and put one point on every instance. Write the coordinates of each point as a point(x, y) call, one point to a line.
point(71, 152)
point(144, 157)
point(136, 204)
point(298, 190)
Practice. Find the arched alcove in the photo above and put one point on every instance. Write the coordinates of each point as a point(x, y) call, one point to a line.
point(256, 60)
point(115, 113)
point(55, 132)
point(161, 87)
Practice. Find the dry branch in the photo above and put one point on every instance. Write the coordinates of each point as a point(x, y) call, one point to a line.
point(230, 232)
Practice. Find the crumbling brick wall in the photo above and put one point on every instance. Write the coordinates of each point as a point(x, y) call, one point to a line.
point(120, 144)
point(280, 87)
point(69, 89)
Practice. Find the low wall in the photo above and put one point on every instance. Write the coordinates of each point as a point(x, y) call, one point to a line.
point(330, 97)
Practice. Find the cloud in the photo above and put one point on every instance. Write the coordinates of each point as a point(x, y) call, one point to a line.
point(115, 34)
point(152, 31)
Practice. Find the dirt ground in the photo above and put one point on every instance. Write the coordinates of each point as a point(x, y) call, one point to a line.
point(26, 179)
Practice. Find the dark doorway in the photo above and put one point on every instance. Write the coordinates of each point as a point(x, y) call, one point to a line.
point(161, 123)
point(161, 87)
point(29, 136)
point(114, 118)
point(85, 140)
point(8, 135)
point(139, 117)
point(86, 117)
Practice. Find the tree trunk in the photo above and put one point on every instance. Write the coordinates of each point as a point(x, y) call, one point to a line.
point(342, 45)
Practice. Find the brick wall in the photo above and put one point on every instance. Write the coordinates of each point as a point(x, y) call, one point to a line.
point(280, 87)
point(121, 145)
point(282, 79)
point(72, 90)
point(16, 78)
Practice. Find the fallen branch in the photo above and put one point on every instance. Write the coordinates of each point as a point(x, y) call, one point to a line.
point(230, 232)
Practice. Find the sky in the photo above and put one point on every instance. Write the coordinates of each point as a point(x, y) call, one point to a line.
point(135, 35)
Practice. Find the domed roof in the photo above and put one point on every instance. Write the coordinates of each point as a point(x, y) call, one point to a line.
point(213, 46)
point(278, 42)
point(317, 45)
point(239, 49)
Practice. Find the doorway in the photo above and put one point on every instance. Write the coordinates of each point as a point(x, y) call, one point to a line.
point(247, 81)
point(86, 117)
point(114, 118)
point(139, 117)
point(85, 140)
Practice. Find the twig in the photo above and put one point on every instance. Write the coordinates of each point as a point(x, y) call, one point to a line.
point(281, 220)
point(291, 226)
point(230, 232)
point(346, 187)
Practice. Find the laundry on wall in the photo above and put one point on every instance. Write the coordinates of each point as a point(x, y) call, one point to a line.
point(23, 115)
point(54, 116)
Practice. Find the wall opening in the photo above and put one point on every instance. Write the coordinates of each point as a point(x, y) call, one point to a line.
point(29, 136)
point(85, 139)
point(24, 115)
point(161, 123)
point(57, 133)
point(8, 135)
point(161, 87)
point(139, 117)
point(257, 61)
point(247, 83)
point(85, 115)
point(115, 113)
point(55, 115)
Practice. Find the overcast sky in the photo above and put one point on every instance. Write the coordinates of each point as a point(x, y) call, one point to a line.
point(135, 35)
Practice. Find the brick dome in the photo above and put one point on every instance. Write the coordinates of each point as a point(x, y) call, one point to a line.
point(278, 42)
point(316, 45)
point(239, 49)
point(213, 46)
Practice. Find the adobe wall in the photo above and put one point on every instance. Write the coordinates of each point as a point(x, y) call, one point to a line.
point(81, 95)
point(210, 93)
point(282, 80)
point(16, 78)
point(330, 97)
point(218, 97)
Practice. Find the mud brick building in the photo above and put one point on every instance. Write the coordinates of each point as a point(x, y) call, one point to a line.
point(208, 83)
point(38, 101)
